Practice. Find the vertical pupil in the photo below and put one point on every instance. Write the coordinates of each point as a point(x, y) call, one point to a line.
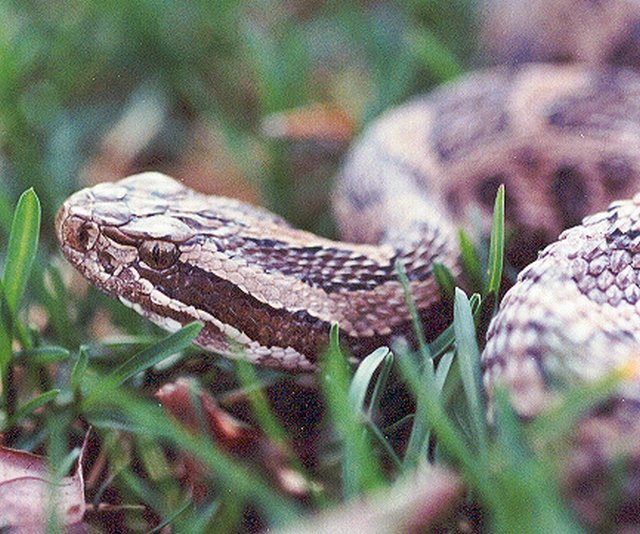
point(158, 254)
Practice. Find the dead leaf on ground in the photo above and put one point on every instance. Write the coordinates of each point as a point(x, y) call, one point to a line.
point(27, 487)
point(317, 122)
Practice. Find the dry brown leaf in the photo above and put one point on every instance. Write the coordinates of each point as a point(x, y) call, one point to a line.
point(317, 122)
point(232, 435)
point(27, 488)
point(418, 503)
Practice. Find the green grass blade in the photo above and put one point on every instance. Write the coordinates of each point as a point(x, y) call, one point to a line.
point(418, 444)
point(413, 311)
point(468, 356)
point(205, 521)
point(442, 371)
point(363, 376)
point(380, 383)
point(67, 461)
point(6, 213)
point(156, 353)
point(436, 56)
point(172, 516)
point(21, 251)
point(360, 470)
point(361, 383)
point(509, 431)
point(496, 245)
point(53, 295)
point(470, 261)
point(267, 422)
point(576, 401)
point(149, 419)
point(445, 340)
point(7, 397)
point(145, 359)
point(475, 301)
point(449, 437)
point(42, 355)
point(445, 279)
point(27, 409)
point(23, 244)
point(79, 369)
point(528, 489)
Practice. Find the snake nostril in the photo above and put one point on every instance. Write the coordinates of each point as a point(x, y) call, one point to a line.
point(80, 234)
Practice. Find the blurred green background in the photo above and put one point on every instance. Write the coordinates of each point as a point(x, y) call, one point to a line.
point(91, 91)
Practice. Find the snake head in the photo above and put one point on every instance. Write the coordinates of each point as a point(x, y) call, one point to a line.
point(167, 252)
point(262, 289)
point(113, 231)
point(105, 229)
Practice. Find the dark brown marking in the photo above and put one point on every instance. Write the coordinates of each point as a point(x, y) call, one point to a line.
point(229, 304)
point(79, 234)
point(117, 235)
point(467, 118)
point(363, 198)
point(519, 49)
point(617, 174)
point(527, 158)
point(626, 51)
point(330, 269)
point(619, 240)
point(452, 199)
point(569, 194)
point(486, 189)
point(269, 326)
point(404, 168)
point(607, 101)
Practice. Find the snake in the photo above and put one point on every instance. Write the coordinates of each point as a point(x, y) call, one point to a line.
point(562, 138)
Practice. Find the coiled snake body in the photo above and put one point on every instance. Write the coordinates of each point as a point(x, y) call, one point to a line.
point(564, 140)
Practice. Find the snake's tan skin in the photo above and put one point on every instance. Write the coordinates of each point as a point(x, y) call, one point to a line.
point(590, 31)
point(563, 139)
point(262, 289)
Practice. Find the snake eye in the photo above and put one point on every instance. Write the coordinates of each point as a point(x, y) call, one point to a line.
point(158, 254)
point(81, 235)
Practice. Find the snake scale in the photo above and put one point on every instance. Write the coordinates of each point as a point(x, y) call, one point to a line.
point(563, 139)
